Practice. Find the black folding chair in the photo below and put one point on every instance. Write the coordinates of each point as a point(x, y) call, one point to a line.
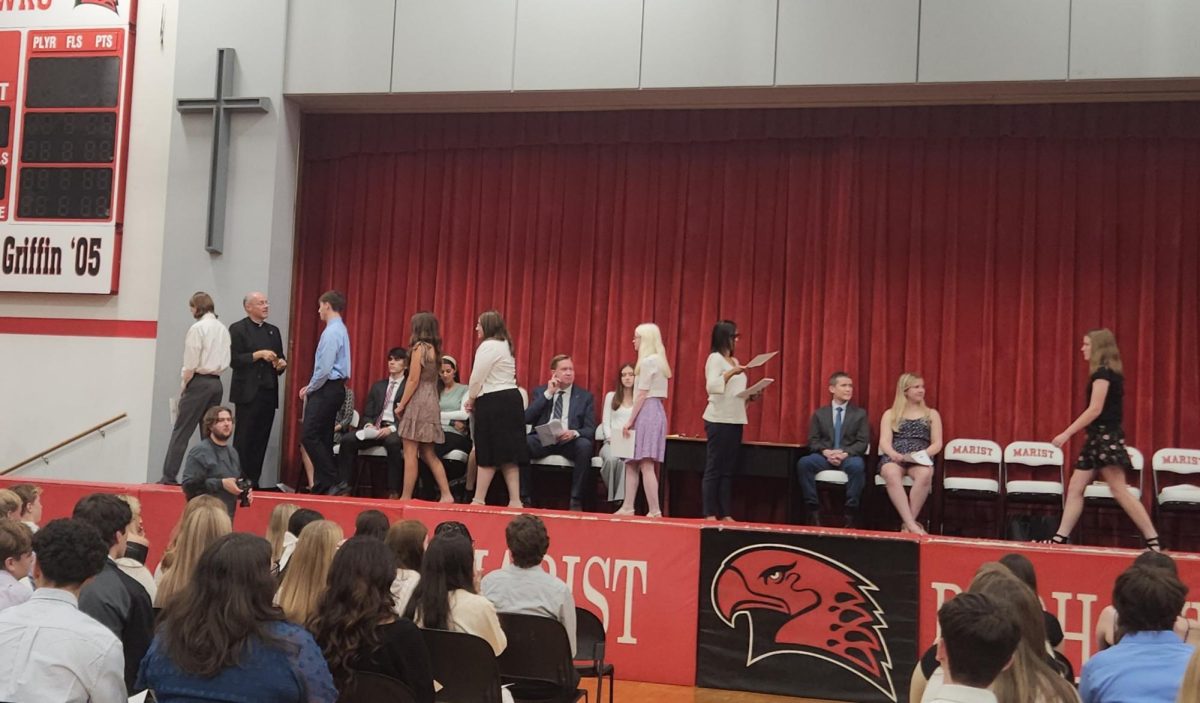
point(590, 640)
point(465, 666)
point(366, 687)
point(537, 661)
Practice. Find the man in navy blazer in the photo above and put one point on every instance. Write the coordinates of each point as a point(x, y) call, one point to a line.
point(561, 399)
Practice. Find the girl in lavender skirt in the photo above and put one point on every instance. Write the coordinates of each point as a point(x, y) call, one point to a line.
point(648, 421)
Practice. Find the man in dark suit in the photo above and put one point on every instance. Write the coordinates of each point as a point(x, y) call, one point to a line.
point(256, 355)
point(379, 418)
point(838, 436)
point(560, 399)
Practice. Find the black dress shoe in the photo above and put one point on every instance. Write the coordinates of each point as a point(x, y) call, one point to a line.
point(341, 489)
point(167, 482)
point(851, 521)
point(576, 506)
point(812, 517)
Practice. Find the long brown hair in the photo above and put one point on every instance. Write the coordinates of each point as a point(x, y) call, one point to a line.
point(493, 327)
point(406, 539)
point(199, 529)
point(356, 601)
point(425, 330)
point(304, 577)
point(448, 565)
point(225, 607)
point(620, 393)
point(1104, 351)
point(198, 503)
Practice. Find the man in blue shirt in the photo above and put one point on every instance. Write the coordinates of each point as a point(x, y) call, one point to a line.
point(1147, 664)
point(325, 392)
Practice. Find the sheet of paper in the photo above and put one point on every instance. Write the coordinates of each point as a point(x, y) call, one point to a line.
point(549, 432)
point(622, 446)
point(921, 457)
point(756, 388)
point(369, 432)
point(761, 359)
point(139, 697)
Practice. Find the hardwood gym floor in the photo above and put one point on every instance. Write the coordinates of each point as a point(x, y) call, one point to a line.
point(636, 692)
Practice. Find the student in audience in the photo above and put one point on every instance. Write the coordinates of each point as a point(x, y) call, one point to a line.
point(10, 505)
point(724, 420)
point(1022, 568)
point(277, 531)
point(1105, 448)
point(70, 657)
point(295, 525)
point(197, 530)
point(16, 555)
point(978, 642)
point(908, 427)
point(1189, 690)
point(406, 539)
point(115, 599)
point(371, 523)
point(838, 437)
point(1147, 664)
point(454, 418)
point(212, 467)
point(379, 417)
point(420, 424)
point(137, 548)
point(522, 586)
point(562, 400)
point(618, 407)
point(31, 503)
point(647, 420)
point(1108, 631)
point(197, 503)
point(446, 597)
point(355, 622)
point(222, 640)
point(304, 580)
point(453, 527)
point(499, 414)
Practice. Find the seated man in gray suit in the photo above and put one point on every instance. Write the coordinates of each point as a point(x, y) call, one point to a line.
point(838, 436)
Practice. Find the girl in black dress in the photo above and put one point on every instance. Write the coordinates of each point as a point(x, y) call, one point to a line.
point(1104, 450)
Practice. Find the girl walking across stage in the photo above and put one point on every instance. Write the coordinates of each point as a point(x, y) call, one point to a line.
point(648, 419)
point(420, 424)
point(499, 410)
point(1104, 449)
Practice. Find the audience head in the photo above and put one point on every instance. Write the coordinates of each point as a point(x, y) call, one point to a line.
point(331, 303)
point(357, 599)
point(201, 304)
point(16, 548)
point(306, 573)
point(453, 527)
point(1100, 350)
point(1156, 560)
point(527, 540)
point(648, 341)
point(397, 361)
point(217, 424)
point(225, 606)
point(626, 376)
point(978, 639)
point(109, 515)
point(562, 367)
point(841, 386)
point(277, 526)
point(449, 370)
point(257, 306)
point(424, 328)
point(491, 326)
point(198, 528)
point(449, 565)
point(1022, 568)
point(406, 539)
point(10, 505)
point(301, 518)
point(1148, 599)
point(31, 501)
point(194, 504)
point(69, 552)
point(724, 338)
point(371, 523)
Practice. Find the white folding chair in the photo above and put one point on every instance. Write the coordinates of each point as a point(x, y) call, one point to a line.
point(1099, 490)
point(1176, 477)
point(971, 470)
point(1042, 462)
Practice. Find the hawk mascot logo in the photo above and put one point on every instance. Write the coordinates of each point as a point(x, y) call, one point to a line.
point(107, 4)
point(826, 609)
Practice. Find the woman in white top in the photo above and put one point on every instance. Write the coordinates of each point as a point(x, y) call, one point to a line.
point(499, 411)
point(446, 598)
point(724, 419)
point(648, 419)
point(618, 406)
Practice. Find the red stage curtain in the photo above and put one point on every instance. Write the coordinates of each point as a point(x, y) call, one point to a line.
point(974, 245)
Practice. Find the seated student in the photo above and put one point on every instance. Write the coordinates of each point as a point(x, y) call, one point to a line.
point(296, 524)
point(371, 523)
point(199, 502)
point(1022, 568)
point(454, 418)
point(16, 555)
point(137, 549)
point(406, 540)
point(1108, 631)
point(445, 597)
point(617, 409)
point(838, 436)
point(277, 531)
point(115, 599)
point(560, 399)
point(522, 586)
point(908, 427)
point(978, 642)
point(379, 415)
point(10, 505)
point(69, 658)
point(222, 640)
point(197, 530)
point(31, 503)
point(1148, 662)
point(305, 578)
point(356, 626)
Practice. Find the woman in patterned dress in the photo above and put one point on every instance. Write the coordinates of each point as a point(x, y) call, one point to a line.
point(909, 426)
point(419, 414)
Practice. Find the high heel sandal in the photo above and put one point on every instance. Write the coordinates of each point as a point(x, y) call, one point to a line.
point(625, 511)
point(656, 513)
point(1152, 543)
point(1056, 539)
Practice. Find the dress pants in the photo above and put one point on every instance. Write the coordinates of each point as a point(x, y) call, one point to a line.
point(720, 466)
point(811, 464)
point(578, 450)
point(253, 431)
point(202, 393)
point(392, 444)
point(320, 415)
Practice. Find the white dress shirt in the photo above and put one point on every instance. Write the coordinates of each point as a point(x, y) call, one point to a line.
point(566, 405)
point(12, 591)
point(724, 405)
point(402, 588)
point(495, 369)
point(531, 591)
point(206, 347)
point(56, 654)
point(394, 390)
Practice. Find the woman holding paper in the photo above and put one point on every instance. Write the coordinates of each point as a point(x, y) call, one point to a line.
point(724, 419)
point(648, 420)
point(910, 435)
point(618, 406)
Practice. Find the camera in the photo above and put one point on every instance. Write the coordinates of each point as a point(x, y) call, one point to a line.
point(244, 486)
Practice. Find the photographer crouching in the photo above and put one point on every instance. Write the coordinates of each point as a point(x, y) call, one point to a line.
point(212, 466)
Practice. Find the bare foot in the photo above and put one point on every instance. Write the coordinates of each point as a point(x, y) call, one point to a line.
point(916, 529)
point(624, 511)
point(446, 498)
point(518, 505)
point(727, 519)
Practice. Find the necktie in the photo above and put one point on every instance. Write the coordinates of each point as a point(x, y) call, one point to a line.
point(389, 400)
point(837, 429)
point(556, 413)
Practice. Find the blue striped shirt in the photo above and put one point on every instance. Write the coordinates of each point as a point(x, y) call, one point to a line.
point(333, 355)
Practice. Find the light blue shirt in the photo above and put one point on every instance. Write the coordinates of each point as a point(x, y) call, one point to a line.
point(1144, 667)
point(333, 355)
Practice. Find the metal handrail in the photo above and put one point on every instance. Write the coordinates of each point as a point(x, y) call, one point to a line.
point(74, 438)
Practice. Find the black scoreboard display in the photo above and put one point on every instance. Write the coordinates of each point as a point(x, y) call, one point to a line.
point(65, 76)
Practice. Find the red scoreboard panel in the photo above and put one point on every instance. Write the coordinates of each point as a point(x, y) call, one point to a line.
point(64, 103)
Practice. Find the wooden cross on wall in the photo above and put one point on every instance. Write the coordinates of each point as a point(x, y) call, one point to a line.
point(221, 106)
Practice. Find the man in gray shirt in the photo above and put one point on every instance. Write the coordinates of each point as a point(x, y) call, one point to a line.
point(522, 586)
point(212, 466)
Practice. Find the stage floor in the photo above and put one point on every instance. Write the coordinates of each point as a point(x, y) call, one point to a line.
point(638, 692)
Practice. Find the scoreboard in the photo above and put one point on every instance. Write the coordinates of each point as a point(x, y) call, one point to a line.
point(65, 73)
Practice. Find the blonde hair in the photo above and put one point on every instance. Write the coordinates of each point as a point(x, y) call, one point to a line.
point(1104, 351)
point(197, 503)
point(135, 522)
point(907, 380)
point(306, 574)
point(651, 345)
point(198, 529)
point(9, 502)
point(277, 527)
point(1189, 689)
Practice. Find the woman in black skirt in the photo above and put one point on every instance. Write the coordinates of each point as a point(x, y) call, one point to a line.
point(499, 412)
point(1104, 450)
